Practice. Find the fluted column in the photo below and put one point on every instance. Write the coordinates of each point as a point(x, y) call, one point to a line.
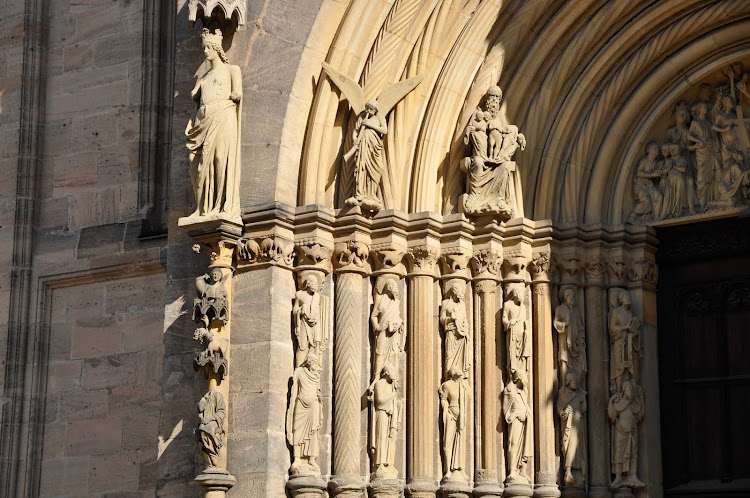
point(545, 484)
point(350, 264)
point(486, 272)
point(598, 379)
point(421, 378)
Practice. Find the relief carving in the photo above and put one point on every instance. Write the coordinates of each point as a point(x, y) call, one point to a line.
point(458, 349)
point(491, 175)
point(366, 154)
point(386, 421)
point(309, 332)
point(213, 135)
point(387, 327)
point(516, 328)
point(571, 337)
point(454, 405)
point(702, 164)
point(520, 437)
point(211, 310)
point(571, 406)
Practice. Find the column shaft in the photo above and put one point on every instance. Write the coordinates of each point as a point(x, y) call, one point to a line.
point(347, 351)
point(544, 386)
point(597, 339)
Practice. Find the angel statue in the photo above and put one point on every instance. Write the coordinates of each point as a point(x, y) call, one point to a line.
point(367, 150)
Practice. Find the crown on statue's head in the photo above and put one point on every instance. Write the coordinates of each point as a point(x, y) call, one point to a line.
point(213, 38)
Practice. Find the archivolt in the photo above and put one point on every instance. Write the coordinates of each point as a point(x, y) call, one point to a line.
point(578, 75)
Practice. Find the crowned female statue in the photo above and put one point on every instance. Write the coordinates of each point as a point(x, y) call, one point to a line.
point(213, 135)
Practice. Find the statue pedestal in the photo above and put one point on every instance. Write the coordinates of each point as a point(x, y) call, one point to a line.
point(517, 489)
point(346, 486)
point(210, 219)
point(216, 482)
point(487, 488)
point(546, 491)
point(574, 492)
point(455, 489)
point(386, 488)
point(421, 488)
point(622, 493)
point(306, 486)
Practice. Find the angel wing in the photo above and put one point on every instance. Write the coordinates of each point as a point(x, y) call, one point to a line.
point(392, 94)
point(350, 88)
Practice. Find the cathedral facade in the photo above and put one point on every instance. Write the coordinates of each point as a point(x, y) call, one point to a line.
point(385, 248)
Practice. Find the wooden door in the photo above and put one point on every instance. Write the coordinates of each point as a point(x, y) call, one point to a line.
point(704, 358)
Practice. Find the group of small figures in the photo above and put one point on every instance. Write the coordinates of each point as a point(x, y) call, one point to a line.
point(702, 164)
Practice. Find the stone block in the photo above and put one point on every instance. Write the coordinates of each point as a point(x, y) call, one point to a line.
point(57, 137)
point(139, 432)
point(96, 23)
point(149, 366)
point(80, 405)
point(266, 367)
point(134, 295)
point(54, 440)
point(60, 339)
point(84, 304)
point(63, 376)
point(77, 57)
point(74, 173)
point(117, 164)
point(258, 451)
point(89, 78)
point(94, 207)
point(53, 245)
point(131, 401)
point(109, 371)
point(94, 132)
point(129, 123)
point(88, 101)
point(142, 331)
point(65, 477)
point(54, 212)
point(251, 411)
point(274, 63)
point(117, 48)
point(97, 339)
point(103, 238)
point(112, 473)
point(93, 437)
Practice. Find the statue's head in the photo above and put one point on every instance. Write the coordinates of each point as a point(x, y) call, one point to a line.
point(571, 380)
point(216, 275)
point(310, 283)
point(727, 103)
point(311, 361)
point(513, 294)
point(652, 150)
point(704, 92)
point(702, 109)
point(455, 373)
point(391, 288)
point(675, 150)
point(456, 291)
point(624, 297)
point(665, 149)
point(681, 112)
point(386, 372)
point(371, 106)
point(569, 296)
point(627, 389)
point(493, 99)
point(519, 378)
point(211, 43)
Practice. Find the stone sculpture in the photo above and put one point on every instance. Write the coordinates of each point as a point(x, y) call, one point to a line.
point(387, 326)
point(456, 326)
point(516, 330)
point(571, 406)
point(386, 420)
point(213, 135)
point(704, 158)
point(520, 438)
point(308, 330)
point(215, 354)
point(453, 403)
point(492, 177)
point(571, 337)
point(210, 434)
point(367, 152)
point(305, 417)
point(626, 409)
point(625, 341)
point(211, 303)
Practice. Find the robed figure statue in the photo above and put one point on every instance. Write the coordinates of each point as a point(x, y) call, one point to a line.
point(213, 135)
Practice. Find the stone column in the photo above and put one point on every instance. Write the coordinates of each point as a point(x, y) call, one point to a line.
point(486, 272)
point(545, 484)
point(421, 379)
point(350, 264)
point(597, 341)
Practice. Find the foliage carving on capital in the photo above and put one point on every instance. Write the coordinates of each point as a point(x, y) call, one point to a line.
point(312, 253)
point(351, 254)
point(487, 263)
point(569, 268)
point(455, 262)
point(616, 268)
point(423, 259)
point(540, 264)
point(643, 270)
point(595, 269)
point(274, 250)
point(388, 258)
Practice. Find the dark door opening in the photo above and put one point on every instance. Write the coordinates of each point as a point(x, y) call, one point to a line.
point(704, 358)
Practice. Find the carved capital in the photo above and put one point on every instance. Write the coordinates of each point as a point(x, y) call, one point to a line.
point(423, 261)
point(271, 250)
point(595, 270)
point(644, 271)
point(569, 268)
point(539, 267)
point(616, 269)
point(455, 263)
point(485, 286)
point(351, 256)
point(516, 267)
point(389, 259)
point(486, 264)
point(313, 255)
